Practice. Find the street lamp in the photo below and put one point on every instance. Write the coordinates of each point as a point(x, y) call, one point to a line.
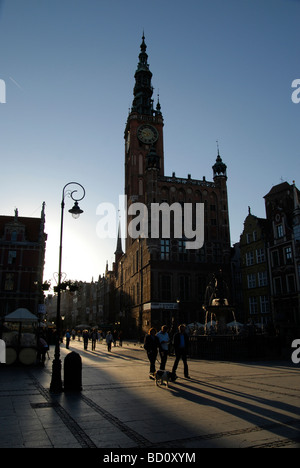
point(56, 382)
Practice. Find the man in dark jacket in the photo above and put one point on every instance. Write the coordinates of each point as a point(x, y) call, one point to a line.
point(181, 343)
point(151, 345)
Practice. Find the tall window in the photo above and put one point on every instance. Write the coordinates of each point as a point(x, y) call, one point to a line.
point(141, 164)
point(166, 287)
point(165, 249)
point(291, 287)
point(12, 254)
point(184, 288)
point(249, 258)
point(262, 278)
point(288, 254)
point(182, 250)
point(279, 230)
point(277, 286)
point(9, 282)
point(141, 187)
point(137, 260)
point(264, 305)
point(253, 305)
point(251, 280)
point(260, 255)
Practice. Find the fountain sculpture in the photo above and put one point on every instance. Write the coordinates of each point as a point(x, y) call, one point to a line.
point(216, 306)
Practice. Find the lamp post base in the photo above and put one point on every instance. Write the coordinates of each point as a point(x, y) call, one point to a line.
point(56, 382)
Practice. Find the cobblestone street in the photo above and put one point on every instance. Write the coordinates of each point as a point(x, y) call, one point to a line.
point(223, 404)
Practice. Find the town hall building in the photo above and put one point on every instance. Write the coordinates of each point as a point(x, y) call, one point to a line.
point(158, 280)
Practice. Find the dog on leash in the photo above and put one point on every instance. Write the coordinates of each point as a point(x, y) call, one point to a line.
point(164, 376)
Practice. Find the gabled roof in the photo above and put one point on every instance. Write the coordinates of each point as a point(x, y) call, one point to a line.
point(279, 188)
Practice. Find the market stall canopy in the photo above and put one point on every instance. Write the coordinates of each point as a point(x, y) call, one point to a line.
point(235, 324)
point(211, 323)
point(21, 315)
point(196, 325)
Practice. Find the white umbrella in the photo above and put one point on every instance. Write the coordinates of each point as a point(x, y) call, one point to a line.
point(191, 325)
point(20, 316)
point(195, 325)
point(234, 324)
point(82, 326)
point(200, 325)
point(211, 323)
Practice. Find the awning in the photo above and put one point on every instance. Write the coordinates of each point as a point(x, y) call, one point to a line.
point(21, 315)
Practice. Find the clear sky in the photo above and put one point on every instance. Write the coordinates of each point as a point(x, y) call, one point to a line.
point(223, 70)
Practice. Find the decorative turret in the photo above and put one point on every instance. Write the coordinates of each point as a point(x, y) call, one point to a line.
point(219, 168)
point(158, 107)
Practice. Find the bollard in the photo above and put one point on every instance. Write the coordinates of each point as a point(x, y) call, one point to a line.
point(72, 372)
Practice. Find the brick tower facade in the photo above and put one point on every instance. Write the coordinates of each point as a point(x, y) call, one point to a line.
point(158, 279)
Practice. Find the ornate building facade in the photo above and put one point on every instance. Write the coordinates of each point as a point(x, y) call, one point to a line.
point(283, 211)
point(158, 279)
point(254, 245)
point(22, 258)
point(270, 261)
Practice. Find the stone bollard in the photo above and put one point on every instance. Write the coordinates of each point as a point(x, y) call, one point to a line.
point(72, 372)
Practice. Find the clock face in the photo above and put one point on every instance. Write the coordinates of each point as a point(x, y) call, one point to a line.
point(147, 134)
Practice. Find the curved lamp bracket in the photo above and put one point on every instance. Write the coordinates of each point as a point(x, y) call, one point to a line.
point(71, 193)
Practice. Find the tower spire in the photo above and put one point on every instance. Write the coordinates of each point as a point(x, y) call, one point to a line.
point(142, 102)
point(158, 106)
point(119, 252)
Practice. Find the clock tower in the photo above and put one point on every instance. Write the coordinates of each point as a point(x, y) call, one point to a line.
point(143, 135)
point(163, 274)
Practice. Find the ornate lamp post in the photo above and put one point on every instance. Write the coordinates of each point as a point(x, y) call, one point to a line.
point(56, 382)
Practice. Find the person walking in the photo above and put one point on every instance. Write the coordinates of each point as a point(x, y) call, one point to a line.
point(115, 337)
point(151, 345)
point(164, 340)
point(109, 339)
point(94, 335)
point(85, 335)
point(181, 343)
point(120, 338)
point(68, 337)
point(42, 350)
